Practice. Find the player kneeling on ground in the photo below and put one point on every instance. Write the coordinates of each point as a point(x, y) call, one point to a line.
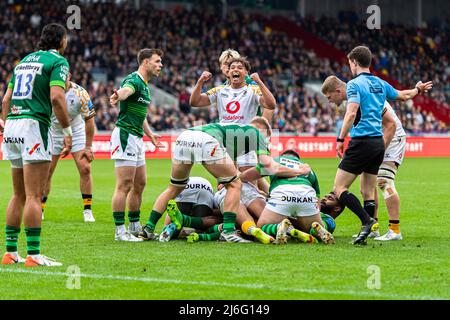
point(193, 207)
point(296, 198)
point(215, 146)
point(79, 107)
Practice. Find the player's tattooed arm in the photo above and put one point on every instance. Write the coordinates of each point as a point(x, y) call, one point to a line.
point(58, 101)
point(90, 131)
point(267, 100)
point(389, 128)
point(120, 95)
point(199, 99)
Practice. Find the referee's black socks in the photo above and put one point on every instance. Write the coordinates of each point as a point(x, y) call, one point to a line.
point(352, 202)
point(369, 206)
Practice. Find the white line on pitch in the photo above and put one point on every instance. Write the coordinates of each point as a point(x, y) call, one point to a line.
point(220, 284)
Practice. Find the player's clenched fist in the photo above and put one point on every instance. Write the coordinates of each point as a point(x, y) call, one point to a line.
point(205, 76)
point(255, 77)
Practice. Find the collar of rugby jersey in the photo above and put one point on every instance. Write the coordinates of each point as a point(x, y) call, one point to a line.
point(140, 76)
point(364, 73)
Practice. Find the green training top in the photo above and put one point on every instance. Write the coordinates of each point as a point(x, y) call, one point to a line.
point(31, 82)
point(293, 162)
point(133, 110)
point(237, 138)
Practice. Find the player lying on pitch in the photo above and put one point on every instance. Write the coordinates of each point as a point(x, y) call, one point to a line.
point(288, 193)
point(293, 198)
point(194, 207)
point(215, 146)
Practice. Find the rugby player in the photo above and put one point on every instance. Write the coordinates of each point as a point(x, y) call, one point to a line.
point(335, 91)
point(193, 207)
point(127, 145)
point(237, 101)
point(216, 146)
point(36, 87)
point(294, 197)
point(224, 62)
point(366, 95)
point(81, 112)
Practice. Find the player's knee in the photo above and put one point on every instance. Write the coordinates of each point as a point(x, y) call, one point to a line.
point(173, 190)
point(386, 180)
point(366, 195)
point(381, 183)
point(338, 191)
point(235, 184)
point(139, 186)
point(125, 185)
point(20, 197)
point(85, 170)
point(389, 189)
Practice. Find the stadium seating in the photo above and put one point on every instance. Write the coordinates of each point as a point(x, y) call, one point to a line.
point(193, 42)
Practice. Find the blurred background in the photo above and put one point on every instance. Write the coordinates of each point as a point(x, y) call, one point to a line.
point(293, 45)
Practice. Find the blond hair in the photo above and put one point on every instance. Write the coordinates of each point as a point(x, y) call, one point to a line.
point(331, 83)
point(264, 122)
point(227, 54)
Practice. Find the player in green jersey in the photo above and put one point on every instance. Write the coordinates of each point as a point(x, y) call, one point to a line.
point(216, 146)
point(127, 145)
point(37, 85)
point(296, 198)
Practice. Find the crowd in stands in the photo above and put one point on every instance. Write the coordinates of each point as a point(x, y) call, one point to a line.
point(406, 54)
point(112, 34)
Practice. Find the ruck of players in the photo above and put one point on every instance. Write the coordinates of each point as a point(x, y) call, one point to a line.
point(257, 195)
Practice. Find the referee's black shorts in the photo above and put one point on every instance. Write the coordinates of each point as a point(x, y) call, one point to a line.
point(364, 154)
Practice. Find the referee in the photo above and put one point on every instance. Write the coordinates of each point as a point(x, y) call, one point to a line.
point(366, 95)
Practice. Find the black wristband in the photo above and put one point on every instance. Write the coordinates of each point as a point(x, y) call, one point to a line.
point(418, 90)
point(339, 140)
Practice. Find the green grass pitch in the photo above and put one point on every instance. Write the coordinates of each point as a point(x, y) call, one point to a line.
point(416, 268)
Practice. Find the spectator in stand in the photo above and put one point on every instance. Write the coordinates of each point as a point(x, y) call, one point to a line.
point(194, 39)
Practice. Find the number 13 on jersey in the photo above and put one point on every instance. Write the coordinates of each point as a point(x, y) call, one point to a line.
point(25, 74)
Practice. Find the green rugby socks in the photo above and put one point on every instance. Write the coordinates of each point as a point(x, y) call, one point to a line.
point(33, 240)
point(12, 235)
point(134, 216)
point(153, 220)
point(229, 220)
point(270, 229)
point(119, 218)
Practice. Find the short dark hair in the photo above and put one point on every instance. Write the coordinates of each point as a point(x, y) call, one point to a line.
point(148, 53)
point(361, 55)
point(242, 60)
point(290, 152)
point(51, 36)
point(339, 202)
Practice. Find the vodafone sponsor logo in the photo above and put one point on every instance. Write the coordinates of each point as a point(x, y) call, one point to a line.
point(233, 107)
point(233, 118)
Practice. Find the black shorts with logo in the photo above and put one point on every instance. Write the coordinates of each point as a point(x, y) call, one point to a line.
point(363, 154)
